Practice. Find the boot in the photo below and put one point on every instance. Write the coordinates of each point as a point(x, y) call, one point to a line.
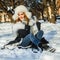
point(44, 41)
point(40, 46)
point(35, 48)
point(48, 48)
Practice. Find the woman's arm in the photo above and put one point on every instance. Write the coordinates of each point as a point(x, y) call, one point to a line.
point(34, 28)
point(32, 22)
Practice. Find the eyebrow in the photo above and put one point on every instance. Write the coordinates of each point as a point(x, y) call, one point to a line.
point(20, 14)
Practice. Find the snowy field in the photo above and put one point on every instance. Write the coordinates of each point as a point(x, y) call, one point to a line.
point(8, 33)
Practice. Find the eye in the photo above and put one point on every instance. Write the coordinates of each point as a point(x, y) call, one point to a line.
point(22, 14)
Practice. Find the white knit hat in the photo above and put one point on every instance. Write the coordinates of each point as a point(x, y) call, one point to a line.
point(21, 8)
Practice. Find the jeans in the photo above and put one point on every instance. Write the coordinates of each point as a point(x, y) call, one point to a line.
point(31, 38)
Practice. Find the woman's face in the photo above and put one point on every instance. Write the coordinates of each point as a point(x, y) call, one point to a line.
point(21, 15)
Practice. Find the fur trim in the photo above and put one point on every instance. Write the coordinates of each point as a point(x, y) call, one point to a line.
point(21, 8)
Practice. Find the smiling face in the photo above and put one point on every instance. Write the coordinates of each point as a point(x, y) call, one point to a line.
point(21, 15)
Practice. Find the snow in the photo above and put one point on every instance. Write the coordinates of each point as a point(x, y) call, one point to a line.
point(8, 33)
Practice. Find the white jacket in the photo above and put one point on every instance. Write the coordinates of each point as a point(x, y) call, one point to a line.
point(21, 25)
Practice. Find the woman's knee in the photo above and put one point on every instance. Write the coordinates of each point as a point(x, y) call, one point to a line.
point(39, 34)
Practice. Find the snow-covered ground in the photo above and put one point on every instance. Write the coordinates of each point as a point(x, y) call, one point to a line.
point(51, 33)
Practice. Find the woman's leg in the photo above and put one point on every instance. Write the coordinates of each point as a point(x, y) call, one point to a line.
point(34, 40)
point(39, 35)
point(26, 41)
point(30, 38)
point(43, 42)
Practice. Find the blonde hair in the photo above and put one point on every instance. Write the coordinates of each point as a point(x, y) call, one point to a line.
point(25, 18)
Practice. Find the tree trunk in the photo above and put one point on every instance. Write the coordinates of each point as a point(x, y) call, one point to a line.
point(51, 12)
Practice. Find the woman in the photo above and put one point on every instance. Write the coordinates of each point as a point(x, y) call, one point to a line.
point(29, 32)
